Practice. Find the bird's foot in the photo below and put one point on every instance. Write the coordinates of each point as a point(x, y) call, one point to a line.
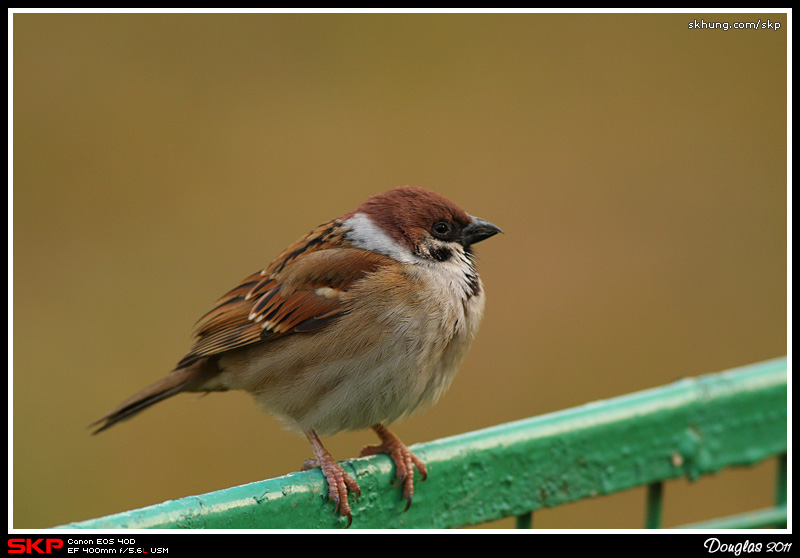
point(404, 460)
point(339, 482)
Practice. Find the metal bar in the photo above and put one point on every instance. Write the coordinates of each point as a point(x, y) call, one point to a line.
point(524, 521)
point(655, 492)
point(760, 519)
point(689, 428)
point(780, 496)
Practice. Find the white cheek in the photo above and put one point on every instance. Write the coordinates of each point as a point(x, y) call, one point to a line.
point(364, 233)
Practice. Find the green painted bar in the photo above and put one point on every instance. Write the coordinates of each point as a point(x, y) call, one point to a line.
point(759, 519)
point(692, 427)
point(655, 505)
point(524, 521)
point(782, 480)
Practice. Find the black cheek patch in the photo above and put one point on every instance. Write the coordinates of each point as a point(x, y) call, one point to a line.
point(441, 253)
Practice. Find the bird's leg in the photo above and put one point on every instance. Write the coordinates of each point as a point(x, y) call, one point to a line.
point(404, 460)
point(338, 480)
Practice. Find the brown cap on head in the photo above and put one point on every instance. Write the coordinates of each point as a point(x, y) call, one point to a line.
point(405, 211)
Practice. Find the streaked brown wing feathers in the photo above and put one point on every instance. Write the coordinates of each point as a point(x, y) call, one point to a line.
point(283, 299)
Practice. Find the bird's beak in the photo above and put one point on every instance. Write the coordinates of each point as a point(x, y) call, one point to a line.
point(478, 230)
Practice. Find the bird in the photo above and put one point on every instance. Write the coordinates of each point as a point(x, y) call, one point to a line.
point(360, 322)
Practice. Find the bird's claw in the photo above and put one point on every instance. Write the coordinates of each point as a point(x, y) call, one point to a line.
point(404, 461)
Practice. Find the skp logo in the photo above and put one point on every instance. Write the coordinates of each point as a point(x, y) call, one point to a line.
point(29, 546)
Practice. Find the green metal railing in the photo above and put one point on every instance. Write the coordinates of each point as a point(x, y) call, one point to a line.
point(690, 428)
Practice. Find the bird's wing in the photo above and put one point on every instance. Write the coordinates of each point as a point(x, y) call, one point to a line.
point(300, 292)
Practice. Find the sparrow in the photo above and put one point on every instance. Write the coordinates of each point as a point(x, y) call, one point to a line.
point(360, 322)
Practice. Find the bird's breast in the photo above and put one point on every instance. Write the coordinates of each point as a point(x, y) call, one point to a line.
point(396, 350)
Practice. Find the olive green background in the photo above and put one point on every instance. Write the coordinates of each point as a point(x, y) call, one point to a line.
point(637, 167)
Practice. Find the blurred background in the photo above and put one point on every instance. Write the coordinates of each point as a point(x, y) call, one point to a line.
point(637, 167)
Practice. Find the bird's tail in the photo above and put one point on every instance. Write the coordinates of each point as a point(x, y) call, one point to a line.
point(180, 380)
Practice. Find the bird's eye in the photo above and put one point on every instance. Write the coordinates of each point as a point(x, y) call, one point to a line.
point(442, 229)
